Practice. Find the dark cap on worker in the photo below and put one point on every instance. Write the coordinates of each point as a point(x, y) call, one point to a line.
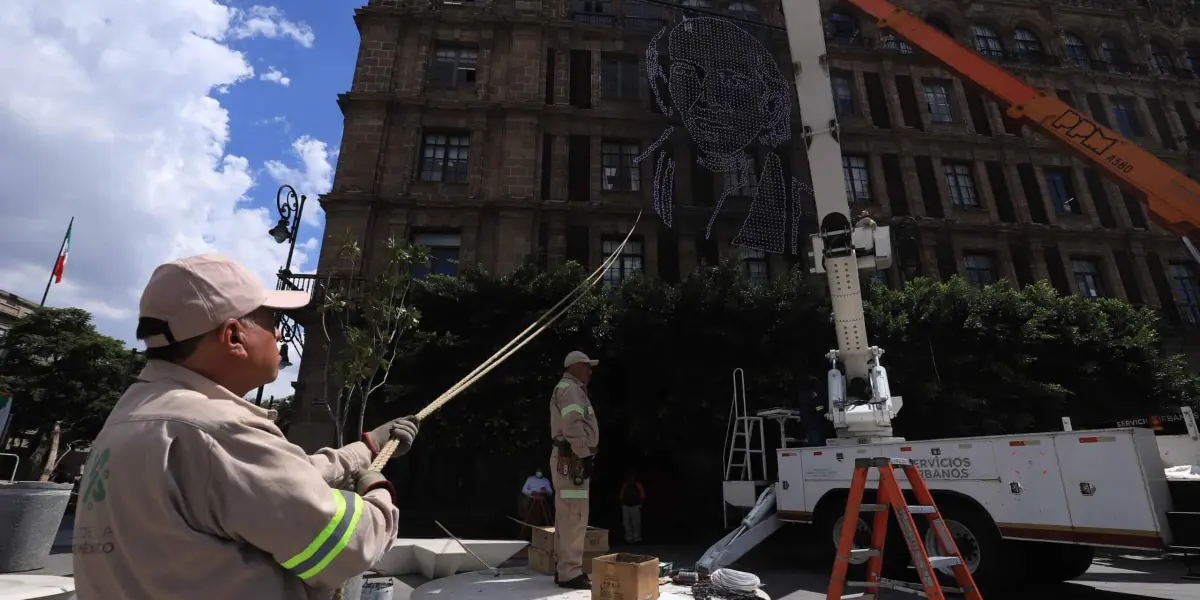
point(195, 295)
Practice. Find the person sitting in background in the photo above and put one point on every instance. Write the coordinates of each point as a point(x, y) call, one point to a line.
point(632, 497)
point(539, 488)
point(537, 485)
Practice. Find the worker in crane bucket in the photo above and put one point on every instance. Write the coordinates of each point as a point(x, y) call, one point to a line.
point(191, 491)
point(576, 437)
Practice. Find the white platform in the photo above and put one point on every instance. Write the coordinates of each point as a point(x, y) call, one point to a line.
point(443, 557)
point(42, 587)
point(521, 583)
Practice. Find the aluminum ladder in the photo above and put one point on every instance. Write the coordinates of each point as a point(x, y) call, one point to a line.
point(746, 437)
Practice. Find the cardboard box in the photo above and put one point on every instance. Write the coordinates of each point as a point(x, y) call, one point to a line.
point(595, 540)
point(624, 577)
point(544, 562)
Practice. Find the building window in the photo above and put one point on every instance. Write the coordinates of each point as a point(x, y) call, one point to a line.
point(453, 67)
point(937, 96)
point(1160, 60)
point(1087, 277)
point(1126, 115)
point(750, 189)
point(627, 264)
point(620, 173)
point(880, 277)
point(858, 178)
point(1114, 54)
point(1062, 191)
point(745, 10)
point(700, 4)
point(1077, 51)
point(444, 157)
point(843, 94)
point(1191, 59)
point(961, 184)
point(1188, 287)
point(755, 265)
point(443, 253)
point(981, 268)
point(593, 12)
point(987, 42)
point(891, 42)
point(841, 27)
point(1028, 45)
point(619, 77)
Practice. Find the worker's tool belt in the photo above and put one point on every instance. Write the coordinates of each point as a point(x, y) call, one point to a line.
point(567, 463)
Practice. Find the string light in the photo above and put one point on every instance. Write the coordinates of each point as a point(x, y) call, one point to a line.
point(730, 94)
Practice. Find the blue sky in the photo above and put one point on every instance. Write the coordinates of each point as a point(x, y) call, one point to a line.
point(164, 127)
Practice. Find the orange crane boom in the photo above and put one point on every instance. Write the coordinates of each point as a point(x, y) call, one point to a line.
point(1172, 198)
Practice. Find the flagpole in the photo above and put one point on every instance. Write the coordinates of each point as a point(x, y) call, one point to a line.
point(58, 256)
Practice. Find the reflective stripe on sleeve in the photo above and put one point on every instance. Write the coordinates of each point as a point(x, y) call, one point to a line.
point(573, 408)
point(573, 494)
point(562, 385)
point(332, 540)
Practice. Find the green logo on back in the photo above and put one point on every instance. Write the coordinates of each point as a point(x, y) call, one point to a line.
point(93, 490)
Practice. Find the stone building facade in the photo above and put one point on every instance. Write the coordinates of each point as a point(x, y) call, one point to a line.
point(498, 131)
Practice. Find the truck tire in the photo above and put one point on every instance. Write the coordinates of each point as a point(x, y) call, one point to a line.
point(1056, 563)
point(995, 563)
point(828, 525)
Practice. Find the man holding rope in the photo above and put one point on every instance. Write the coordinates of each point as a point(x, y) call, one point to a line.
point(191, 491)
point(576, 435)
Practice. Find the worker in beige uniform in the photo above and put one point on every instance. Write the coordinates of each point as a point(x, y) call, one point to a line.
point(576, 436)
point(192, 492)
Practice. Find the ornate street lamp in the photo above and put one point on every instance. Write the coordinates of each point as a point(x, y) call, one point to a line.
point(291, 207)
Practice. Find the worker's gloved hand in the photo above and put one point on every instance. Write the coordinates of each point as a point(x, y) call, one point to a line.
point(403, 429)
point(373, 480)
point(588, 466)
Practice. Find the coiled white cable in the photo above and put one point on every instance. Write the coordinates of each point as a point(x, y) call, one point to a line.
point(735, 581)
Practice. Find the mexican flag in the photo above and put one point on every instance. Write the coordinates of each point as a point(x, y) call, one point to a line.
point(61, 263)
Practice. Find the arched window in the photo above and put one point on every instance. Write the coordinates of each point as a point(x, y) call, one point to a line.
point(895, 44)
point(745, 10)
point(1160, 60)
point(1114, 54)
point(1029, 47)
point(987, 42)
point(841, 27)
point(1077, 51)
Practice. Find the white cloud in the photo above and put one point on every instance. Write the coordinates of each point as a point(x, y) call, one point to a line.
point(276, 76)
point(312, 178)
point(108, 113)
point(268, 22)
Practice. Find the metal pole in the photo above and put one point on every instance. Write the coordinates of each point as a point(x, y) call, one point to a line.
point(61, 247)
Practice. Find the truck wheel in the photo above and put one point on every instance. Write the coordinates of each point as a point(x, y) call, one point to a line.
point(1056, 563)
point(828, 524)
point(988, 557)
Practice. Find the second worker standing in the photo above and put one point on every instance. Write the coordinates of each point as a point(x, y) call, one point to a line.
point(576, 435)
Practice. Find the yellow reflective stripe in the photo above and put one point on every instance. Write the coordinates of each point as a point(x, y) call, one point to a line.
point(340, 511)
point(563, 385)
point(341, 543)
point(570, 408)
point(573, 494)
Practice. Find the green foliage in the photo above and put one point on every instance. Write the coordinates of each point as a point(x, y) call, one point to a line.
point(370, 318)
point(967, 361)
point(59, 368)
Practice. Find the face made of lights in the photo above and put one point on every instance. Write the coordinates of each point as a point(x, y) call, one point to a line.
point(724, 84)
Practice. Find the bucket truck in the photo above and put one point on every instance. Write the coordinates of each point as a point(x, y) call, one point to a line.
point(1033, 504)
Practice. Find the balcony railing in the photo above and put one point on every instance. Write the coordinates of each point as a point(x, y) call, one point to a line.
point(317, 284)
point(1095, 4)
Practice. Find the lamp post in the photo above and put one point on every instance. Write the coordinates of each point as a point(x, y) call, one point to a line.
point(291, 207)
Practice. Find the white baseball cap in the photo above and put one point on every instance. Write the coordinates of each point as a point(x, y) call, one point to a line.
point(196, 295)
point(576, 357)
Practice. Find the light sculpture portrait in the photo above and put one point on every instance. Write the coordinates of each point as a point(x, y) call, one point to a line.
point(728, 92)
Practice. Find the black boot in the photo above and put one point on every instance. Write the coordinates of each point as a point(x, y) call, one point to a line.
point(582, 582)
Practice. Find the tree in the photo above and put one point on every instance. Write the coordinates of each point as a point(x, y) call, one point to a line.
point(363, 323)
point(60, 370)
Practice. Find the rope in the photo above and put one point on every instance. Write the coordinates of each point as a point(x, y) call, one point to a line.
point(727, 584)
point(541, 324)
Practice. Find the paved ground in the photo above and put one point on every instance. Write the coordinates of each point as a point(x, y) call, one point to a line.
point(790, 571)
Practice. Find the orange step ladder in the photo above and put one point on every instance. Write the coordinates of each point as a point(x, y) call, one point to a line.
point(891, 499)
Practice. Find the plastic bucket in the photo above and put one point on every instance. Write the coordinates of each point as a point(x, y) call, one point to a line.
point(30, 514)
